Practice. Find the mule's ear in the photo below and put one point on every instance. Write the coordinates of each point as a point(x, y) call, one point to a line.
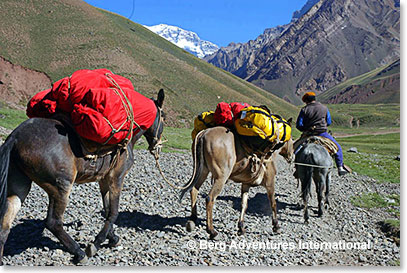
point(289, 121)
point(160, 98)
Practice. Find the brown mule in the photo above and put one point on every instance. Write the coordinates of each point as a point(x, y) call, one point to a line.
point(219, 151)
point(48, 152)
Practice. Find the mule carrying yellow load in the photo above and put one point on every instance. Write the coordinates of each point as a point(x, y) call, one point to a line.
point(256, 121)
point(203, 121)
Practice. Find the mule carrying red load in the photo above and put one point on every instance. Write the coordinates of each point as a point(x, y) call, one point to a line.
point(103, 107)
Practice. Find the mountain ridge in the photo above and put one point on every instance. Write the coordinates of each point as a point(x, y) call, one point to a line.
point(381, 85)
point(333, 41)
point(188, 40)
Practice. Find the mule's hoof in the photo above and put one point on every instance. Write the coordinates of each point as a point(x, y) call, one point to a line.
point(276, 230)
point(241, 232)
point(91, 250)
point(320, 213)
point(190, 225)
point(115, 241)
point(212, 235)
point(80, 259)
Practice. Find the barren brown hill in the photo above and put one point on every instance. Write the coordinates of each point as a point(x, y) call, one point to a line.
point(18, 84)
point(381, 85)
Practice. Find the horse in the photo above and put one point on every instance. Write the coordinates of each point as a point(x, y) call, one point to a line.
point(49, 153)
point(220, 151)
point(313, 162)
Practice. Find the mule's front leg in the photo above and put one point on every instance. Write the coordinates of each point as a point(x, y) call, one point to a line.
point(107, 230)
point(245, 197)
point(114, 240)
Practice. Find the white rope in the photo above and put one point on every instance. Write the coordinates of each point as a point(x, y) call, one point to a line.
point(311, 165)
point(168, 182)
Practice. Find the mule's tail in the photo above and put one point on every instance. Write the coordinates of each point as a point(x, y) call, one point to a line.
point(5, 151)
point(198, 164)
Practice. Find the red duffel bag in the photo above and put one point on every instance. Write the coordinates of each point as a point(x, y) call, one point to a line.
point(98, 103)
point(225, 112)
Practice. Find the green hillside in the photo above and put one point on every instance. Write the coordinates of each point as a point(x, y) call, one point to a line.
point(59, 37)
point(365, 115)
point(381, 85)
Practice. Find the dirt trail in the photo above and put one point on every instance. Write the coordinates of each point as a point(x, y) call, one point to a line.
point(151, 223)
point(340, 135)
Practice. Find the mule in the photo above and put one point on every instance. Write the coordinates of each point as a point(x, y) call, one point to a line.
point(48, 152)
point(221, 152)
point(320, 171)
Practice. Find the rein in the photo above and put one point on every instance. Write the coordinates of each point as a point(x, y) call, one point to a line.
point(165, 178)
point(169, 182)
point(155, 152)
point(311, 165)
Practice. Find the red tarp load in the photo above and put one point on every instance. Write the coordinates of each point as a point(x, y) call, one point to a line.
point(97, 102)
point(225, 112)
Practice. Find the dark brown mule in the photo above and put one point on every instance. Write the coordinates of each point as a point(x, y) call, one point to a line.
point(48, 152)
point(219, 151)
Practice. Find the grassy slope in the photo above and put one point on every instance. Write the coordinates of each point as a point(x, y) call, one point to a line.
point(374, 116)
point(379, 73)
point(376, 157)
point(59, 37)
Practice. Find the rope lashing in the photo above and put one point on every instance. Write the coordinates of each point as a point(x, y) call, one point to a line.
point(129, 112)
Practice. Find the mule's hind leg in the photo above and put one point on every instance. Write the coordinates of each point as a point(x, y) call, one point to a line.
point(245, 197)
point(19, 186)
point(194, 195)
point(327, 184)
point(319, 179)
point(210, 201)
point(306, 181)
point(58, 201)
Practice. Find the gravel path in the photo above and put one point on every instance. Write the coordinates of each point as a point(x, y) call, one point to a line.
point(151, 224)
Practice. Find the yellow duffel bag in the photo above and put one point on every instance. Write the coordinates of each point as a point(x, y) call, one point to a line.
point(284, 128)
point(203, 121)
point(256, 121)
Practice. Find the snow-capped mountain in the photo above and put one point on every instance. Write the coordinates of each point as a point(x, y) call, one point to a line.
point(185, 39)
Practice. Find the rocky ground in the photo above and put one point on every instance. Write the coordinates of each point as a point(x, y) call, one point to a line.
point(151, 224)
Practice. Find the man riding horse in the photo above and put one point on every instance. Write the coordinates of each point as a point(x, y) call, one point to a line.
point(313, 120)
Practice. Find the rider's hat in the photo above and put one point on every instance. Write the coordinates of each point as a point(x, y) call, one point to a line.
point(308, 97)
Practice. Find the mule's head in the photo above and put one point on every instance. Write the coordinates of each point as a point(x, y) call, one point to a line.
point(154, 133)
point(287, 150)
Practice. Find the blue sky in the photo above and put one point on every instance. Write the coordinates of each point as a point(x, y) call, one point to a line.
point(218, 21)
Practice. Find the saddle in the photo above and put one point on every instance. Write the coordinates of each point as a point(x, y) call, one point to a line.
point(328, 144)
